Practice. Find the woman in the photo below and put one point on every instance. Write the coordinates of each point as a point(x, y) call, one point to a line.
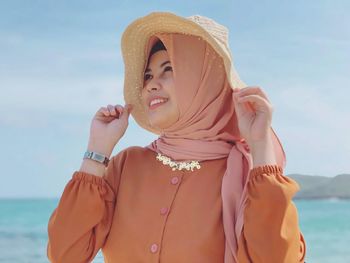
point(211, 187)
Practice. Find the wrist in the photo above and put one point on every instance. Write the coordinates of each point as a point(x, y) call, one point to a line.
point(101, 149)
point(263, 152)
point(92, 167)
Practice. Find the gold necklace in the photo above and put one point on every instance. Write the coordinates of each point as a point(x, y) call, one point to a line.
point(178, 165)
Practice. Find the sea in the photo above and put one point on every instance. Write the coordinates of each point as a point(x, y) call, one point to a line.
point(23, 230)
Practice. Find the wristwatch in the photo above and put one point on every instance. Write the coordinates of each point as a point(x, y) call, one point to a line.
point(96, 157)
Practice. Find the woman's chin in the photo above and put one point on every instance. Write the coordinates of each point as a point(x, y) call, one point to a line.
point(161, 122)
point(158, 124)
point(162, 119)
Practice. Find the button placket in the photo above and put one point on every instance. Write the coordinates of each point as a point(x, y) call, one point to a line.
point(175, 180)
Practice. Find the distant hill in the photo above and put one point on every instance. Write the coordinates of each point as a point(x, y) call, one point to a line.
point(315, 187)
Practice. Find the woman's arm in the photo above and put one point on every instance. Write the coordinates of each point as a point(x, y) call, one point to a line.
point(271, 231)
point(78, 227)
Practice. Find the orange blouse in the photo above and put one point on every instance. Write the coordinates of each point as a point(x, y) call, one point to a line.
point(142, 211)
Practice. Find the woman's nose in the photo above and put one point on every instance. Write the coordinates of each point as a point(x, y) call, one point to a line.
point(153, 85)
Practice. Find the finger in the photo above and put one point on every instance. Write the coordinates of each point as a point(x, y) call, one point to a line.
point(129, 107)
point(242, 108)
point(126, 113)
point(260, 101)
point(104, 111)
point(119, 108)
point(112, 110)
point(252, 90)
point(246, 106)
point(236, 89)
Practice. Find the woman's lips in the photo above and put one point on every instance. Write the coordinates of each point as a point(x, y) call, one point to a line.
point(157, 105)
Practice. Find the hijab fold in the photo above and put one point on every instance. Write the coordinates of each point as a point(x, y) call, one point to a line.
point(207, 126)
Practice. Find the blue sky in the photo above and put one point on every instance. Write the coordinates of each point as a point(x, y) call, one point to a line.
point(61, 61)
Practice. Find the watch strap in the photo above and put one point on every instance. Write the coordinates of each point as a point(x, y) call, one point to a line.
point(96, 157)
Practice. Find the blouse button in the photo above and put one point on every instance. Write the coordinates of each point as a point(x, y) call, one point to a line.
point(163, 210)
point(175, 180)
point(154, 248)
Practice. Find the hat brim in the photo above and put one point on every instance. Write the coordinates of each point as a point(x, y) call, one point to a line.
point(134, 44)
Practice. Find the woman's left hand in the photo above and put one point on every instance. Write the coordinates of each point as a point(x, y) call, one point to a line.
point(254, 113)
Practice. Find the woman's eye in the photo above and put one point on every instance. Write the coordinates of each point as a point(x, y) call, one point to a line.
point(147, 76)
point(168, 68)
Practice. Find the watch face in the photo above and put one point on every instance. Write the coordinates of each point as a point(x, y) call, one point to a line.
point(98, 157)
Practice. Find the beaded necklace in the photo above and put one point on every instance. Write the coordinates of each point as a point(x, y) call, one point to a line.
point(178, 165)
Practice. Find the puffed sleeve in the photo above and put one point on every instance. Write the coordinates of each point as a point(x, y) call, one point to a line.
point(79, 225)
point(271, 231)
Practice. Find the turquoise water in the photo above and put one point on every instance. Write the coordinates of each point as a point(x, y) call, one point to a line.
point(23, 230)
point(326, 228)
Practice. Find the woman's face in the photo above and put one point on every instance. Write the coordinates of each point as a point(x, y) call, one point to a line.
point(158, 93)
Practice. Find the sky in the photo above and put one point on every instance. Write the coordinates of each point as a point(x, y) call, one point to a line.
point(60, 61)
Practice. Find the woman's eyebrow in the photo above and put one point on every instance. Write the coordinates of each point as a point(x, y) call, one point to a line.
point(161, 65)
point(164, 63)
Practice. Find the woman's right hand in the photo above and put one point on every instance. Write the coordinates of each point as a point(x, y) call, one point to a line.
point(108, 127)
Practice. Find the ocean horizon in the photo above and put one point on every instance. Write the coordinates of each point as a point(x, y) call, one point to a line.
point(23, 229)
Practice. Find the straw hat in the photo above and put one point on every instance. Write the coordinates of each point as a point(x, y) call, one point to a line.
point(134, 46)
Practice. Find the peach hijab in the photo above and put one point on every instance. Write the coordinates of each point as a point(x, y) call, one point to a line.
point(207, 126)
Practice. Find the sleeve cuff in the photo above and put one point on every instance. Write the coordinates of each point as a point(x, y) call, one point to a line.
point(87, 177)
point(266, 169)
point(104, 188)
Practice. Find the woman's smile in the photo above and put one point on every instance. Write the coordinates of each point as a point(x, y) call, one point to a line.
point(156, 103)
